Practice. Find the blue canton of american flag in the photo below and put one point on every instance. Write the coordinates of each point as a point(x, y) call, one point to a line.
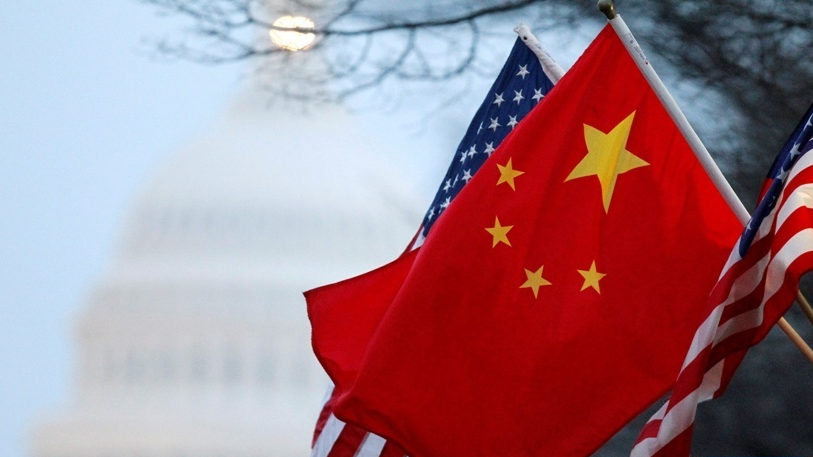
point(521, 85)
point(798, 144)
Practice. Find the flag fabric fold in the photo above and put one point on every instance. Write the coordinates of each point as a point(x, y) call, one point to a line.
point(352, 309)
point(554, 300)
point(757, 285)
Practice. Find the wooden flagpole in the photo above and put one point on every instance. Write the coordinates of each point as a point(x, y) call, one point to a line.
point(805, 305)
point(700, 151)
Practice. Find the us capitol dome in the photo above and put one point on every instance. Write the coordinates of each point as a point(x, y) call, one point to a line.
point(195, 341)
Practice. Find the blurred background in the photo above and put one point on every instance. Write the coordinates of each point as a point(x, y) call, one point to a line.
point(172, 179)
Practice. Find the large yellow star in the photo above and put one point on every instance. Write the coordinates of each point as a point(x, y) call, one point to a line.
point(499, 232)
point(607, 157)
point(535, 281)
point(591, 278)
point(508, 174)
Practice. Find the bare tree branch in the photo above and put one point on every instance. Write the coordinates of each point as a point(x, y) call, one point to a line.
point(747, 54)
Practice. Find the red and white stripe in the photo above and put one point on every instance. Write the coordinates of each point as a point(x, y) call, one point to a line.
point(334, 438)
point(751, 294)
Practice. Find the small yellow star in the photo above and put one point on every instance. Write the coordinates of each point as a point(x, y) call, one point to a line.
point(507, 174)
point(591, 278)
point(535, 281)
point(607, 157)
point(499, 232)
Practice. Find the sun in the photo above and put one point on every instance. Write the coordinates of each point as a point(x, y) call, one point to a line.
point(293, 41)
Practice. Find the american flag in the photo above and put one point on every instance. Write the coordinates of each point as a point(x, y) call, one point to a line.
point(521, 85)
point(527, 76)
point(757, 285)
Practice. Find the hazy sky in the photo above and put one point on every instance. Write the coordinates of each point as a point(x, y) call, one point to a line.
point(85, 117)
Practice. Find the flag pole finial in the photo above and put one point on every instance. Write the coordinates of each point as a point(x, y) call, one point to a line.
point(606, 7)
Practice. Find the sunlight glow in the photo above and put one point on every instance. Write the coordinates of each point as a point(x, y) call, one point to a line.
point(293, 41)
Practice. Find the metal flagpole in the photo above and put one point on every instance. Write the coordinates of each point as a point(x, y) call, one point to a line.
point(700, 151)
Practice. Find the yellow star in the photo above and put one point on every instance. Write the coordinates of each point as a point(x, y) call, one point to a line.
point(499, 232)
point(591, 278)
point(535, 281)
point(607, 157)
point(507, 174)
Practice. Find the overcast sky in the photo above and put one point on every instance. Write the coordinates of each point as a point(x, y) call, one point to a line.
point(85, 118)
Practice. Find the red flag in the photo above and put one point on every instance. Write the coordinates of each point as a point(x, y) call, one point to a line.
point(555, 299)
point(528, 70)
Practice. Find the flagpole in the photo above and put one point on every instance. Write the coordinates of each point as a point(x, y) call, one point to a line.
point(805, 305)
point(552, 69)
point(700, 151)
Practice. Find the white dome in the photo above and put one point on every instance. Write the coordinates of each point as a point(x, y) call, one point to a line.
point(271, 196)
point(196, 340)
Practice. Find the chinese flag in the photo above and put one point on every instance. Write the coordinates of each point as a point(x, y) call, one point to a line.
point(555, 298)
